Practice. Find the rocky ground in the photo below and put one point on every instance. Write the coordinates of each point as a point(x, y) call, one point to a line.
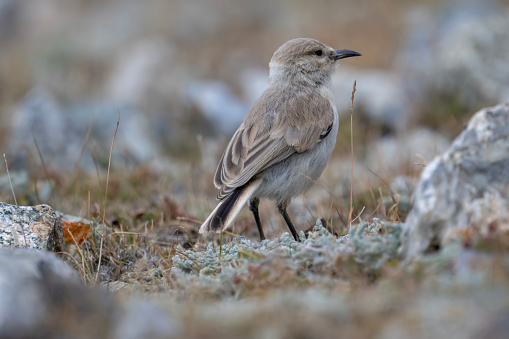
point(96, 244)
point(442, 273)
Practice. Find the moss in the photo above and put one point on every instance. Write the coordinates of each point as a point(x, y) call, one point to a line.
point(283, 261)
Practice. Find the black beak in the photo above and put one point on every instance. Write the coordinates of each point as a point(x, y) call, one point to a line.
point(344, 53)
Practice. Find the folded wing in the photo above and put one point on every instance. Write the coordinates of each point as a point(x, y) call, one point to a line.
point(276, 127)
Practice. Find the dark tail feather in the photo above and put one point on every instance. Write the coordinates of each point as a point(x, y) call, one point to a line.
point(220, 216)
point(228, 209)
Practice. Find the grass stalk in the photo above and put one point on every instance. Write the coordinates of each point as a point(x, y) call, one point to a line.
point(105, 197)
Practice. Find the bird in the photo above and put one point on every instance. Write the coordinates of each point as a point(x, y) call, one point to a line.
point(286, 139)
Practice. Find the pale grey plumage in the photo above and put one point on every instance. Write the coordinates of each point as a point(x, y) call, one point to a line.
point(286, 139)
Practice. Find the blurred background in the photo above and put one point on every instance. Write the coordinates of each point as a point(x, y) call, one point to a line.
point(181, 75)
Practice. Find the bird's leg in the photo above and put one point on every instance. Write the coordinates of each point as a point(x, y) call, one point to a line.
point(253, 207)
point(282, 209)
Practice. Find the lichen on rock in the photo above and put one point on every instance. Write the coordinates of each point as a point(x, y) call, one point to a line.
point(36, 227)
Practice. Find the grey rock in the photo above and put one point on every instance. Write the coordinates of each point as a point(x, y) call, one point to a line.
point(144, 319)
point(20, 269)
point(9, 20)
point(66, 137)
point(41, 191)
point(217, 103)
point(462, 52)
point(381, 96)
point(136, 70)
point(42, 297)
point(402, 189)
point(37, 128)
point(406, 152)
point(72, 218)
point(466, 187)
point(133, 143)
point(473, 59)
point(19, 180)
point(253, 82)
point(36, 227)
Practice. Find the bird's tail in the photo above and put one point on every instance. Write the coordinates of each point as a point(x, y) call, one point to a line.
point(228, 209)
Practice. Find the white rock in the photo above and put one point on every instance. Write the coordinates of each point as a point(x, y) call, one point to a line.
point(35, 227)
point(463, 52)
point(409, 151)
point(466, 187)
point(61, 131)
point(218, 103)
point(380, 95)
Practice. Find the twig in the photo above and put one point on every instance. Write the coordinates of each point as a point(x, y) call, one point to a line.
point(78, 165)
point(359, 215)
point(88, 206)
point(220, 240)
point(42, 159)
point(14, 195)
point(351, 147)
point(391, 192)
point(96, 168)
point(10, 182)
point(188, 257)
point(105, 197)
point(36, 191)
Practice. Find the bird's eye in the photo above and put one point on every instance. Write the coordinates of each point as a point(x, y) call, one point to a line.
point(318, 52)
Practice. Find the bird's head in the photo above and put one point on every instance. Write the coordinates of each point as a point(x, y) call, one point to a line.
point(306, 60)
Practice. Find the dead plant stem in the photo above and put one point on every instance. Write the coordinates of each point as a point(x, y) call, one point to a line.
point(351, 148)
point(105, 197)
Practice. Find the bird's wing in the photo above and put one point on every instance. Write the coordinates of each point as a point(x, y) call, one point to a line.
point(271, 132)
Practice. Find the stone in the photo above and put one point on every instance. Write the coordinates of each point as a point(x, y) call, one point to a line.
point(216, 101)
point(473, 58)
point(381, 96)
point(466, 188)
point(404, 153)
point(35, 227)
point(137, 72)
point(72, 135)
point(144, 319)
point(18, 179)
point(253, 82)
point(76, 229)
point(38, 130)
point(42, 297)
point(463, 52)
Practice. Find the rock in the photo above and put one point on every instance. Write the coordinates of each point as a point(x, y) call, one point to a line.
point(37, 128)
point(20, 183)
point(406, 152)
point(402, 189)
point(42, 297)
point(36, 227)
point(72, 135)
point(9, 19)
point(462, 52)
point(473, 58)
point(217, 103)
point(466, 188)
point(19, 180)
point(133, 143)
point(132, 79)
point(380, 96)
point(253, 81)
point(143, 319)
point(76, 229)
